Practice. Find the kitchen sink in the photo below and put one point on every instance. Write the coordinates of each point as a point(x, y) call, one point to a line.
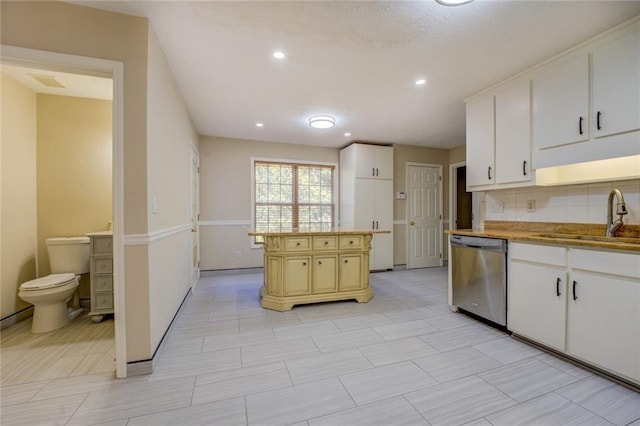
point(601, 238)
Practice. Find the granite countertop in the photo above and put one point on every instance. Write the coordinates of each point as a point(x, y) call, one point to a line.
point(332, 231)
point(583, 235)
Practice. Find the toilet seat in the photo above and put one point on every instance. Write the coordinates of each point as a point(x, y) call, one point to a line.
point(50, 281)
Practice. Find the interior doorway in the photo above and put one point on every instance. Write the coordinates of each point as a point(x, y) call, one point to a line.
point(114, 70)
point(461, 205)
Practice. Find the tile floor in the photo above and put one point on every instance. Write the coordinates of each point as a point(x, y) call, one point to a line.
point(402, 359)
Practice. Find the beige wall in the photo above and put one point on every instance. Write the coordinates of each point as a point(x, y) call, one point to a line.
point(17, 192)
point(171, 139)
point(402, 154)
point(74, 164)
point(458, 154)
point(225, 196)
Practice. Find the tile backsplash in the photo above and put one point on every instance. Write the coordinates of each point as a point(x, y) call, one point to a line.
point(585, 203)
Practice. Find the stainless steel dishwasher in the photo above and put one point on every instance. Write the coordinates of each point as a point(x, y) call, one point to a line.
point(479, 276)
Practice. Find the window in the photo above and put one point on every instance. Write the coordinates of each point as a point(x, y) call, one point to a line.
point(292, 196)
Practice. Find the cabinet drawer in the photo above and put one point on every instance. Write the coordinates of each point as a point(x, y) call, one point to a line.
point(103, 301)
point(103, 283)
point(297, 243)
point(325, 243)
point(102, 265)
point(101, 245)
point(350, 242)
point(549, 255)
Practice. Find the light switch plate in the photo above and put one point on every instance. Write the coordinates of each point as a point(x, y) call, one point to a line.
point(531, 206)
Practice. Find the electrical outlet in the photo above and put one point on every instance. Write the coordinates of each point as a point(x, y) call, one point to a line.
point(497, 206)
point(239, 254)
point(531, 206)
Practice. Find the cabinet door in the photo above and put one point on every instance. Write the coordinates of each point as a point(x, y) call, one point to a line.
point(374, 161)
point(325, 274)
point(480, 142)
point(513, 133)
point(604, 322)
point(561, 104)
point(616, 86)
point(364, 204)
point(297, 276)
point(272, 275)
point(537, 303)
point(382, 244)
point(351, 272)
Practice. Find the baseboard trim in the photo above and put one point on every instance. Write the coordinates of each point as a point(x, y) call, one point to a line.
point(15, 318)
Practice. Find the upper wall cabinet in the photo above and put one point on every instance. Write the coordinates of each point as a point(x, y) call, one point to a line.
point(586, 104)
point(373, 161)
point(616, 73)
point(561, 104)
point(499, 138)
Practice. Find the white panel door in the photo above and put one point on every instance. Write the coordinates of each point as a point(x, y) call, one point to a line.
point(616, 86)
point(424, 217)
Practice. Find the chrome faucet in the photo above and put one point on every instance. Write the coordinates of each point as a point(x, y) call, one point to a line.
point(621, 210)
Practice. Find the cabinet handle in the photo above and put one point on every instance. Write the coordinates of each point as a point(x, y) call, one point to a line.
point(558, 286)
point(373, 224)
point(598, 120)
point(326, 243)
point(319, 262)
point(373, 171)
point(489, 172)
point(524, 168)
point(304, 263)
point(377, 227)
point(298, 244)
point(575, 297)
point(377, 172)
point(350, 242)
point(580, 125)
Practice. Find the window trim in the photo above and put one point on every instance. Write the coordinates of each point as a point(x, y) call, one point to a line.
point(252, 183)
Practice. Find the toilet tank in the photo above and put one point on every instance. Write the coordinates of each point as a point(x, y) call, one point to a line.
point(68, 254)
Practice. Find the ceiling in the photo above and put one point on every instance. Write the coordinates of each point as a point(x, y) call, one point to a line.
point(60, 83)
point(356, 60)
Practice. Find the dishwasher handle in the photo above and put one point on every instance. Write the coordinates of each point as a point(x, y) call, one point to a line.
point(491, 244)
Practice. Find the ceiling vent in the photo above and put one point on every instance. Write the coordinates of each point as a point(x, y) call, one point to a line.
point(47, 80)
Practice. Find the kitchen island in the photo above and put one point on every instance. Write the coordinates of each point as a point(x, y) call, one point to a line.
point(320, 266)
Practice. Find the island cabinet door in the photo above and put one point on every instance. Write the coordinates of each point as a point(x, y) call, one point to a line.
point(325, 274)
point(297, 276)
point(273, 274)
point(351, 274)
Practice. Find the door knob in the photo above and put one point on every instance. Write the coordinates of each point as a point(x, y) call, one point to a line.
point(412, 223)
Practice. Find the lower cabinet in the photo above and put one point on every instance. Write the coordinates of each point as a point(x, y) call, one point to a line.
point(318, 268)
point(101, 274)
point(584, 303)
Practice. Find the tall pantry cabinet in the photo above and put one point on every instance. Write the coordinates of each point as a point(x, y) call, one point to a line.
point(366, 197)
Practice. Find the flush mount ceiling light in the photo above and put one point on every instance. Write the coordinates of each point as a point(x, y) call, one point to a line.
point(420, 82)
point(278, 55)
point(347, 134)
point(453, 2)
point(259, 125)
point(322, 122)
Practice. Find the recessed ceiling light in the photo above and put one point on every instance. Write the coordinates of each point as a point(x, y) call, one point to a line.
point(278, 55)
point(453, 2)
point(347, 134)
point(322, 121)
point(420, 82)
point(259, 124)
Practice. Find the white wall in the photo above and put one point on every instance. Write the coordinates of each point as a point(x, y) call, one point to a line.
point(563, 204)
point(18, 242)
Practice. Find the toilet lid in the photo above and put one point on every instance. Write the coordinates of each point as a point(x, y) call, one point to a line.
point(49, 281)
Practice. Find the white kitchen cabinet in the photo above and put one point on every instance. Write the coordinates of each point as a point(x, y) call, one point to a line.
point(367, 203)
point(588, 309)
point(616, 86)
point(499, 138)
point(561, 103)
point(603, 324)
point(586, 104)
point(513, 133)
point(536, 288)
point(372, 161)
point(480, 142)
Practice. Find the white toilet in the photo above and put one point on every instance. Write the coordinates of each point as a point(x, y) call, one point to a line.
point(69, 258)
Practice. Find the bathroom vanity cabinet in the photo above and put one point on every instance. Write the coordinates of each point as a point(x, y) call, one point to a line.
point(101, 273)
